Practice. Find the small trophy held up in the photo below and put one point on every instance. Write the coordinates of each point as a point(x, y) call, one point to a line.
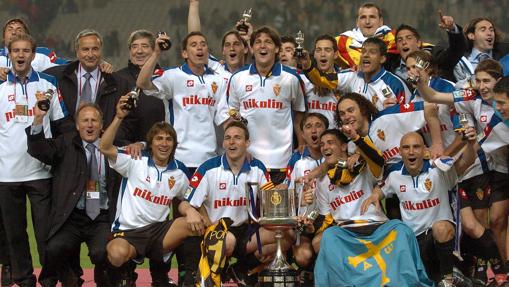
point(44, 100)
point(246, 16)
point(132, 100)
point(419, 64)
point(464, 124)
point(299, 40)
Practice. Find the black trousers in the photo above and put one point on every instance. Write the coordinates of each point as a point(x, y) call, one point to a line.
point(63, 247)
point(13, 208)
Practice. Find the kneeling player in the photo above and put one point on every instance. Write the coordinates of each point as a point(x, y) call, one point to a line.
point(218, 189)
point(141, 226)
point(424, 201)
point(365, 249)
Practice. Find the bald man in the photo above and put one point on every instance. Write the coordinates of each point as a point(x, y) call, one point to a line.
point(424, 202)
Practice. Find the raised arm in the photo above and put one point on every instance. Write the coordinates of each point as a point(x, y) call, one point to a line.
point(468, 153)
point(144, 78)
point(431, 116)
point(429, 94)
point(193, 16)
point(106, 145)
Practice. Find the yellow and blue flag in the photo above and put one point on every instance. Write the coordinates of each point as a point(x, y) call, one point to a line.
point(388, 257)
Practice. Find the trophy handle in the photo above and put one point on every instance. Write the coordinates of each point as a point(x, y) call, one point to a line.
point(251, 202)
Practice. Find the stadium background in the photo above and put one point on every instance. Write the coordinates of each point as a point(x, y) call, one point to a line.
point(54, 23)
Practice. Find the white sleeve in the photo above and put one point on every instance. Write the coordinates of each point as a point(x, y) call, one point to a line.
point(388, 189)
point(298, 102)
point(57, 106)
point(450, 178)
point(346, 79)
point(164, 86)
point(123, 164)
point(221, 104)
point(322, 200)
point(231, 93)
point(200, 193)
point(181, 186)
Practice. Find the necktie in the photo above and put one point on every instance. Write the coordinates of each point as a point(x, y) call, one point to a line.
point(92, 204)
point(86, 92)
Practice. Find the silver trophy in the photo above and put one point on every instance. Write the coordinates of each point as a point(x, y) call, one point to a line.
point(299, 40)
point(419, 64)
point(277, 213)
point(246, 16)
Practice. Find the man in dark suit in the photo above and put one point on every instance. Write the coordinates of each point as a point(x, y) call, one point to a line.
point(408, 40)
point(82, 81)
point(149, 109)
point(81, 193)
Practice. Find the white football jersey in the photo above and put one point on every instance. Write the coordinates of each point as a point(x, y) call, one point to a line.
point(146, 190)
point(299, 165)
point(267, 104)
point(424, 199)
point(469, 102)
point(195, 104)
point(391, 124)
point(16, 164)
point(344, 202)
point(222, 193)
point(323, 104)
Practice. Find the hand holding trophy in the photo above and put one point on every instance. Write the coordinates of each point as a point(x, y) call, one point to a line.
point(246, 16)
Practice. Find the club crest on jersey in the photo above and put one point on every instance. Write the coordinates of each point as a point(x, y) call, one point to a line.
point(214, 87)
point(147, 179)
point(249, 88)
point(428, 184)
point(277, 89)
point(380, 134)
point(402, 188)
point(190, 83)
point(171, 182)
point(483, 118)
point(11, 98)
point(222, 185)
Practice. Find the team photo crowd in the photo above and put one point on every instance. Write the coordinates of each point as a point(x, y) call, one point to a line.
point(394, 152)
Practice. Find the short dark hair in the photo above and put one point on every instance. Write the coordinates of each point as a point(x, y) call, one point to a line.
point(502, 87)
point(23, 37)
point(141, 34)
point(382, 47)
point(237, 35)
point(335, 132)
point(19, 21)
point(240, 125)
point(273, 34)
point(370, 5)
point(365, 106)
point(470, 28)
point(491, 67)
point(409, 28)
point(89, 105)
point(194, 33)
point(288, 39)
point(329, 38)
point(321, 117)
point(162, 127)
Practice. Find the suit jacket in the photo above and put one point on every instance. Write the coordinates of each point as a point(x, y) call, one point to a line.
point(150, 109)
point(445, 58)
point(68, 161)
point(108, 93)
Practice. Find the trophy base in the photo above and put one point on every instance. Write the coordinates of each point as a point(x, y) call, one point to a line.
point(279, 278)
point(277, 223)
